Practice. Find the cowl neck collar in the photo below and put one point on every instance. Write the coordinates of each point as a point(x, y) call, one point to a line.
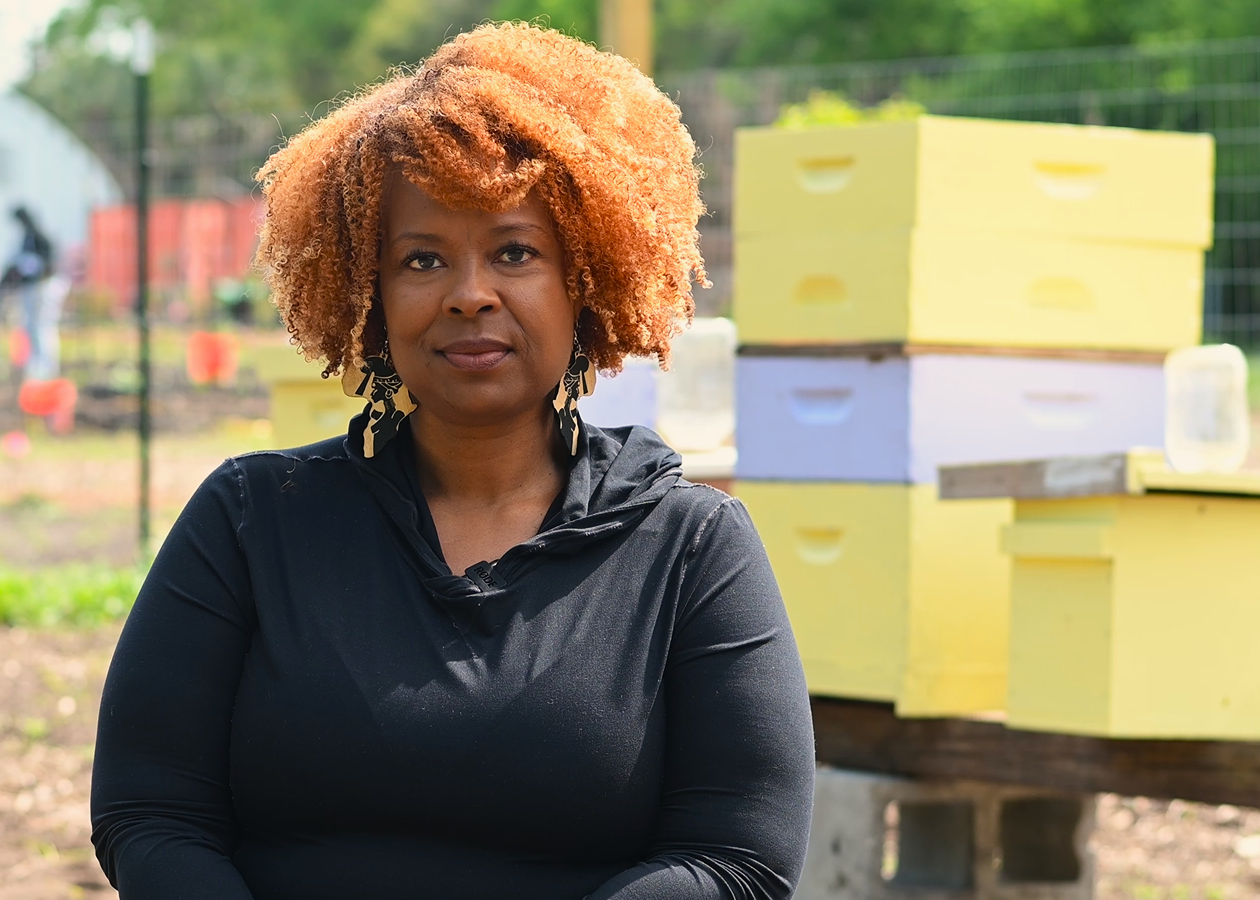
point(617, 476)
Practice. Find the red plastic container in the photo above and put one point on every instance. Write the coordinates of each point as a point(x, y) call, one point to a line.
point(54, 400)
point(213, 357)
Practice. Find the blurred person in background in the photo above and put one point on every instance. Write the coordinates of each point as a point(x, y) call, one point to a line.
point(41, 291)
point(476, 649)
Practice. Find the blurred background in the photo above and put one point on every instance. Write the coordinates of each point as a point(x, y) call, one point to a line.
point(232, 78)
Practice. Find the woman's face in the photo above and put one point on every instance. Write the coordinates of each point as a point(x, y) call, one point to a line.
point(479, 321)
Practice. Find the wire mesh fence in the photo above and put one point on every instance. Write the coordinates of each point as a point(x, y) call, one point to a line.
point(1208, 87)
point(208, 156)
point(1205, 86)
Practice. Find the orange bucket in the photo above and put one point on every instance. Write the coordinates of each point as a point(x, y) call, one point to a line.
point(213, 357)
point(53, 399)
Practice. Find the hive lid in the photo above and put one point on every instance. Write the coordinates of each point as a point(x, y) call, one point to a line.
point(877, 350)
point(1140, 471)
point(1032, 178)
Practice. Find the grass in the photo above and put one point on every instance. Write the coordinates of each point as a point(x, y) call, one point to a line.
point(109, 344)
point(106, 353)
point(77, 596)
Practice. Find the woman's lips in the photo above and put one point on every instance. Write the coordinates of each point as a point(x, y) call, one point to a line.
point(475, 356)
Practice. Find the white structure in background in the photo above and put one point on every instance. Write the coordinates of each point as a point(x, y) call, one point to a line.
point(49, 171)
point(696, 407)
point(692, 405)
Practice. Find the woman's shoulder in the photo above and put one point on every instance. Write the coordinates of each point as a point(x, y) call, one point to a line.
point(266, 463)
point(241, 480)
point(699, 496)
point(706, 512)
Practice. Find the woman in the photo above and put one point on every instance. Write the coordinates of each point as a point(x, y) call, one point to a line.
point(474, 649)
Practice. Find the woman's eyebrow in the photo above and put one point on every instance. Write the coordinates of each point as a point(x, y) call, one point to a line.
point(517, 228)
point(421, 236)
point(497, 231)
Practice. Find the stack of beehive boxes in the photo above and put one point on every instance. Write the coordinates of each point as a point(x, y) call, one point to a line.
point(1133, 595)
point(933, 292)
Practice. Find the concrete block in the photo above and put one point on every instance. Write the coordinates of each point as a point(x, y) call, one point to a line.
point(876, 837)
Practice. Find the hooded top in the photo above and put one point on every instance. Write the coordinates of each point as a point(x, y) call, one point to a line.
point(306, 703)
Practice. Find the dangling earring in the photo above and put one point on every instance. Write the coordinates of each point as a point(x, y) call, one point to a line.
point(377, 381)
point(578, 381)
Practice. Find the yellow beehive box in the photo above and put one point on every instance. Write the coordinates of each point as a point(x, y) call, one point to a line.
point(976, 175)
point(304, 407)
point(893, 595)
point(1135, 598)
point(939, 286)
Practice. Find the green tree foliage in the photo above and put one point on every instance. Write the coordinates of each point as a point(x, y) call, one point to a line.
point(402, 32)
point(79, 82)
point(286, 56)
point(215, 56)
point(831, 108)
point(819, 31)
point(576, 17)
point(1048, 24)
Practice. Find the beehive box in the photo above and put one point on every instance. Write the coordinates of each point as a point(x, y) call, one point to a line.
point(977, 175)
point(1135, 598)
point(896, 418)
point(957, 287)
point(627, 398)
point(304, 407)
point(893, 595)
point(966, 231)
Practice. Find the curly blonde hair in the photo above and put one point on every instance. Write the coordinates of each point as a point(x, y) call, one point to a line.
point(492, 115)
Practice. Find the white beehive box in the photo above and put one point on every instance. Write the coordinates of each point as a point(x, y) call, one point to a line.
point(896, 419)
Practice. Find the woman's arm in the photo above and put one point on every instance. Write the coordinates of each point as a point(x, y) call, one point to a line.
point(739, 768)
point(161, 805)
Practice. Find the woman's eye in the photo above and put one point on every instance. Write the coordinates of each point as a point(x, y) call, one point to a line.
point(516, 255)
point(423, 261)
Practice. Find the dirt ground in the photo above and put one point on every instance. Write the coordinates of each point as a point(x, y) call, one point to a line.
point(72, 499)
point(49, 692)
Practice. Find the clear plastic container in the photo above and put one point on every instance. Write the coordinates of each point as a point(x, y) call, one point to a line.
point(696, 410)
point(1207, 427)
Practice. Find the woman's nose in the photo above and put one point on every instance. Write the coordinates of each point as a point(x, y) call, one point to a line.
point(473, 291)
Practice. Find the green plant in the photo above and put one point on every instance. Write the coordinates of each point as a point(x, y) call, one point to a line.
point(33, 728)
point(833, 108)
point(75, 596)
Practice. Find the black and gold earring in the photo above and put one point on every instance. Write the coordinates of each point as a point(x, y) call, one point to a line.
point(377, 381)
point(578, 381)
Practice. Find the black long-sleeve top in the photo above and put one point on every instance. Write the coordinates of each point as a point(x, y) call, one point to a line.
point(307, 703)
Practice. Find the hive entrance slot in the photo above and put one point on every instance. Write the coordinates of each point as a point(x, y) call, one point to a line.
point(825, 176)
point(1069, 181)
point(821, 289)
point(819, 546)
